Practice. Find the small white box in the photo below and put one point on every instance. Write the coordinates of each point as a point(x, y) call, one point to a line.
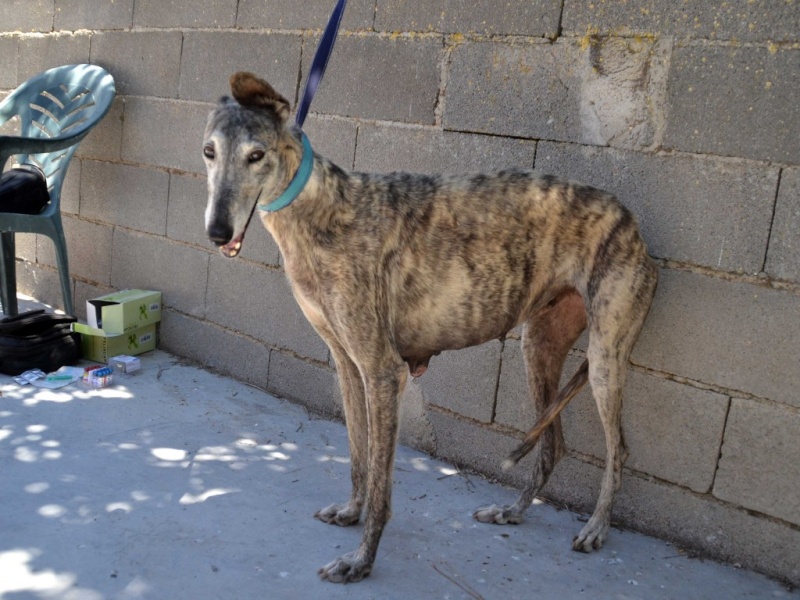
point(125, 364)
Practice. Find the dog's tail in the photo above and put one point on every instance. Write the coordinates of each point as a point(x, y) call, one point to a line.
point(566, 394)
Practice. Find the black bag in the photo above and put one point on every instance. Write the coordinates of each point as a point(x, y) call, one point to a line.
point(37, 340)
point(23, 190)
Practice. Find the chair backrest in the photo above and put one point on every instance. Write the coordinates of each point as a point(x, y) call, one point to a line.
point(61, 102)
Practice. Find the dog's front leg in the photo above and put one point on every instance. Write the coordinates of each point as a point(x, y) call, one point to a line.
point(355, 413)
point(383, 390)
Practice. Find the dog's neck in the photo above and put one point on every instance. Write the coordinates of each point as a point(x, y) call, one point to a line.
point(319, 212)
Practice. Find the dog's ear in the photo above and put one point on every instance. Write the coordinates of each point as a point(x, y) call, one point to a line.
point(249, 90)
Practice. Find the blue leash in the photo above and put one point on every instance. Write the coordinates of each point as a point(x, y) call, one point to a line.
point(318, 66)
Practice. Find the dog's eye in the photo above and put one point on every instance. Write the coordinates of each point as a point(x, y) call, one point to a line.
point(208, 152)
point(255, 156)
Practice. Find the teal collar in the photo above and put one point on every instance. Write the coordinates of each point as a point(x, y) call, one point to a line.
point(298, 182)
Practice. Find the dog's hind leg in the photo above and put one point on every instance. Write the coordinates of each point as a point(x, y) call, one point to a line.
point(546, 339)
point(619, 307)
point(355, 411)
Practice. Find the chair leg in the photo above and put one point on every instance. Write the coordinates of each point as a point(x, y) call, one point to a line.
point(8, 274)
point(62, 262)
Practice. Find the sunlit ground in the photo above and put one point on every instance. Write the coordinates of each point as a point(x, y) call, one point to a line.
point(176, 484)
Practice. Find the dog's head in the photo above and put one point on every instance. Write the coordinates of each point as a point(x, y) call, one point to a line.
point(244, 152)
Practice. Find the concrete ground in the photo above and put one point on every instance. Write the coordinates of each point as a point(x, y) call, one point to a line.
point(176, 483)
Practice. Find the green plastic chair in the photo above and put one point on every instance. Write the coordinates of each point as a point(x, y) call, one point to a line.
point(56, 110)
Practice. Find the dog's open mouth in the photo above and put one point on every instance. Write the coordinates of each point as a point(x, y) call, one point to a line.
point(232, 248)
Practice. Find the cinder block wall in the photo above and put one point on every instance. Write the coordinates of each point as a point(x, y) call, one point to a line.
point(686, 110)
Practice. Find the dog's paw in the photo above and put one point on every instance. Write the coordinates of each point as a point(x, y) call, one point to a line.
point(591, 537)
point(499, 515)
point(342, 515)
point(345, 569)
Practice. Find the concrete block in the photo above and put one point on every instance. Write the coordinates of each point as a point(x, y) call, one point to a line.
point(691, 521)
point(257, 301)
point(415, 427)
point(8, 62)
point(25, 246)
point(537, 18)
point(284, 14)
point(386, 148)
point(605, 92)
point(740, 336)
point(673, 431)
point(94, 14)
point(104, 142)
point(26, 15)
point(134, 197)
point(464, 381)
point(164, 133)
point(468, 444)
point(175, 13)
point(143, 63)
point(703, 210)
point(735, 101)
point(356, 81)
point(215, 348)
point(335, 139)
point(149, 262)
point(39, 53)
point(740, 20)
point(210, 58)
point(185, 215)
point(88, 249)
point(759, 467)
point(783, 259)
point(260, 246)
point(41, 283)
point(309, 384)
point(71, 190)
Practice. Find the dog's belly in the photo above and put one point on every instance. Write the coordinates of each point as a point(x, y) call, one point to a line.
point(442, 322)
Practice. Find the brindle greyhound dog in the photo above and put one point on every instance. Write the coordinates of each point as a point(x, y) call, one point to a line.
point(393, 269)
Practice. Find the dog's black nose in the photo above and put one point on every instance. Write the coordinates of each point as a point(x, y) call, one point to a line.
point(220, 234)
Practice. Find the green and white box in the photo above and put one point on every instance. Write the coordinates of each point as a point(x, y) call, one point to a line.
point(123, 312)
point(100, 346)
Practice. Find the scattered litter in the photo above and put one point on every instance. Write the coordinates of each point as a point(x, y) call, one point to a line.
point(64, 376)
point(97, 377)
point(125, 364)
point(29, 376)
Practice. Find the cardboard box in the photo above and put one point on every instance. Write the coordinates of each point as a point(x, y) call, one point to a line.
point(99, 345)
point(124, 312)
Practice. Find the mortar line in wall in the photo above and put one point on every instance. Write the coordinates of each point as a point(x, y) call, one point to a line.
point(731, 277)
point(497, 381)
point(441, 92)
point(180, 52)
point(772, 220)
point(299, 75)
point(721, 442)
point(270, 347)
point(709, 387)
point(355, 148)
point(560, 20)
